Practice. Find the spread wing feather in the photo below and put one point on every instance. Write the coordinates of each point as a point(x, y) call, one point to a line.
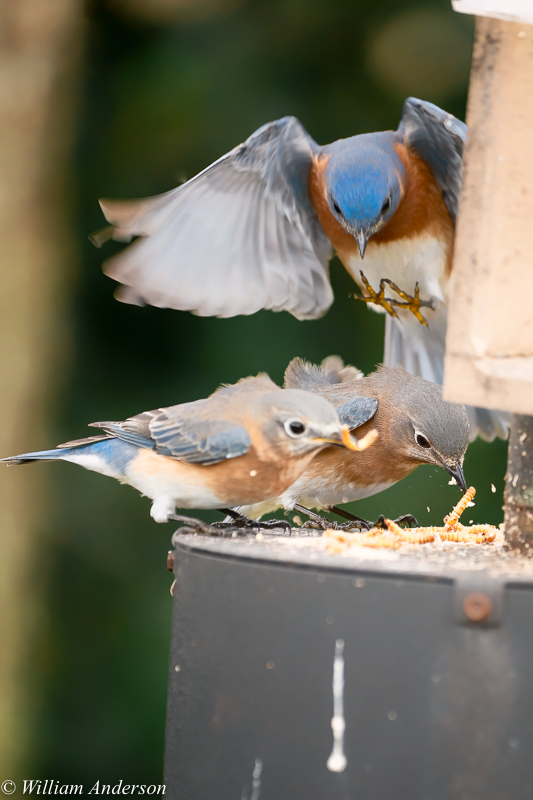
point(438, 138)
point(238, 237)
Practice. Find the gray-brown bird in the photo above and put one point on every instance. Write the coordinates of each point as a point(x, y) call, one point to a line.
point(415, 426)
point(244, 444)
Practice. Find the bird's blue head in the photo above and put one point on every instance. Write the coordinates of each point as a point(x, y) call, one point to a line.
point(364, 180)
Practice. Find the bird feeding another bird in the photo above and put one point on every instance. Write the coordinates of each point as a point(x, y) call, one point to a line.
point(242, 445)
point(257, 228)
point(415, 426)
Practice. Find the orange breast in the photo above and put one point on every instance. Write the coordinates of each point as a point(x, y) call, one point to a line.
point(238, 481)
point(381, 463)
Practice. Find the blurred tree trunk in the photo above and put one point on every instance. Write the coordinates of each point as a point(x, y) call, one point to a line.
point(40, 44)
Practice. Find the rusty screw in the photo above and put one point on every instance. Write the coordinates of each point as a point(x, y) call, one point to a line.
point(170, 560)
point(477, 606)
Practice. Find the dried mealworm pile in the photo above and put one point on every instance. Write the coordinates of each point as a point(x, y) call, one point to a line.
point(394, 536)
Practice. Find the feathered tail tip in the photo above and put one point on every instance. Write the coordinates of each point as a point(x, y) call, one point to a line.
point(302, 374)
point(335, 371)
point(26, 458)
point(126, 294)
point(488, 424)
point(127, 219)
point(260, 382)
point(102, 235)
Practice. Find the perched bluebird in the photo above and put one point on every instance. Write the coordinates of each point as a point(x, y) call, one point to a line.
point(414, 424)
point(242, 445)
point(257, 228)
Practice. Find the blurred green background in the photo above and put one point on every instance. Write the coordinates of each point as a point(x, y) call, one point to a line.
point(167, 87)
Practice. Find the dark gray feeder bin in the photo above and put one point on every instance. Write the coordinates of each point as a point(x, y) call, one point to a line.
point(433, 659)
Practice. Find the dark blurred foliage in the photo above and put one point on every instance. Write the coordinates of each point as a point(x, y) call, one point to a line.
point(159, 103)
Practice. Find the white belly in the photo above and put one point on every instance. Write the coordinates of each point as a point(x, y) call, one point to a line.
point(319, 494)
point(405, 261)
point(166, 480)
point(314, 494)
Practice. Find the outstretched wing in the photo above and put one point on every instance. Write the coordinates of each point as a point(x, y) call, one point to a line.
point(438, 138)
point(238, 237)
point(170, 432)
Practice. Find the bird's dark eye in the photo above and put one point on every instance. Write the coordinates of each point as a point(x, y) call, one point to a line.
point(295, 427)
point(422, 441)
point(337, 207)
point(386, 205)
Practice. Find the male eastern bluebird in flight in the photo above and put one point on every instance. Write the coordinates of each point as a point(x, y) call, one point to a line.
point(415, 426)
point(242, 445)
point(257, 228)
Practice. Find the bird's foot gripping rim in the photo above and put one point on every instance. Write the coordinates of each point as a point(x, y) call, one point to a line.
point(241, 521)
point(194, 525)
point(319, 522)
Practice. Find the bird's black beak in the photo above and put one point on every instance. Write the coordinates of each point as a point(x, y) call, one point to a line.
point(362, 241)
point(457, 473)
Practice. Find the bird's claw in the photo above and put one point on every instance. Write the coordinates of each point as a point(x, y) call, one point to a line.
point(411, 303)
point(319, 522)
point(194, 525)
point(270, 524)
point(320, 525)
point(359, 525)
point(377, 298)
point(410, 521)
point(239, 520)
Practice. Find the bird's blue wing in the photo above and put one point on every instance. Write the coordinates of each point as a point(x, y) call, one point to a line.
point(356, 411)
point(202, 442)
point(238, 237)
point(438, 138)
point(175, 433)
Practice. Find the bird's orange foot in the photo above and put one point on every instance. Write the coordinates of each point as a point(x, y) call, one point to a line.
point(377, 298)
point(412, 303)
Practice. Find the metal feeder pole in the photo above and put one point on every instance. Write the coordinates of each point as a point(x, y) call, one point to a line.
point(519, 485)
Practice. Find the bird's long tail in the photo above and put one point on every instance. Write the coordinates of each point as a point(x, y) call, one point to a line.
point(61, 452)
point(41, 455)
point(421, 352)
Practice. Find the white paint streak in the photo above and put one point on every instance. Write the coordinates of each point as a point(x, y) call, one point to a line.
point(256, 781)
point(337, 760)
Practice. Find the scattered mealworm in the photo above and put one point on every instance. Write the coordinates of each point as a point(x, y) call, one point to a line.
point(393, 527)
point(488, 531)
point(419, 536)
point(337, 541)
point(394, 536)
point(410, 535)
point(453, 536)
